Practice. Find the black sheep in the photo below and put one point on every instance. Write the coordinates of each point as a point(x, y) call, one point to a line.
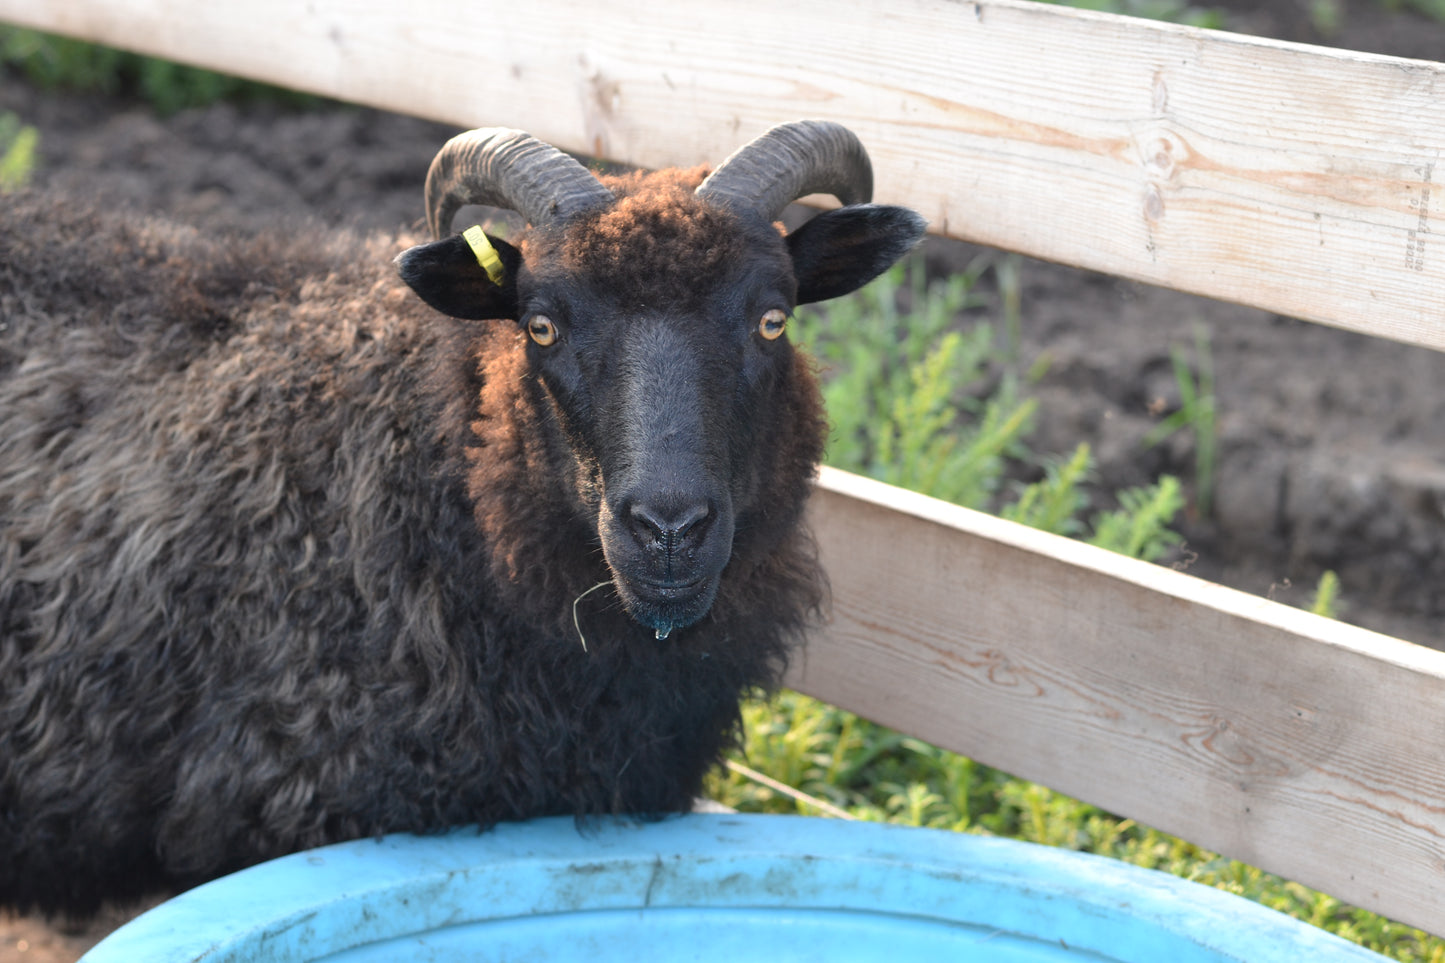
point(287, 557)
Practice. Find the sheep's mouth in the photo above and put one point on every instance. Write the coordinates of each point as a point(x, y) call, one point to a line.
point(666, 606)
point(674, 591)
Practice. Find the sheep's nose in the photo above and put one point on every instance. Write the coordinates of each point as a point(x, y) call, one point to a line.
point(669, 527)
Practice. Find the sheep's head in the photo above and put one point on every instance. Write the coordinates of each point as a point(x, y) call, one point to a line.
point(656, 317)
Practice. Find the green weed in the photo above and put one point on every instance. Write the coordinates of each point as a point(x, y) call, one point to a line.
point(19, 144)
point(913, 402)
point(1196, 414)
point(1140, 526)
point(1327, 595)
point(1055, 502)
point(1326, 16)
point(920, 404)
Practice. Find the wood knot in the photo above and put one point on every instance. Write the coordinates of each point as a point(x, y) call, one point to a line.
point(1153, 203)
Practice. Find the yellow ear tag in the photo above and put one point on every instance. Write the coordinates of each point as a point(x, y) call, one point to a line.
point(486, 255)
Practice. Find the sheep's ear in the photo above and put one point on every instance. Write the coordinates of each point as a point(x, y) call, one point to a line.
point(447, 275)
point(842, 250)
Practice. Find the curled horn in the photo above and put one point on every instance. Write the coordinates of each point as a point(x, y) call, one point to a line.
point(500, 167)
point(789, 162)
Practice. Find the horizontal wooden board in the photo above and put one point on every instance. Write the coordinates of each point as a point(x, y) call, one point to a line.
point(1297, 179)
point(1299, 744)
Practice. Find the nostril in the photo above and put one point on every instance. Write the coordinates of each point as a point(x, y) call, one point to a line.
point(668, 525)
point(691, 521)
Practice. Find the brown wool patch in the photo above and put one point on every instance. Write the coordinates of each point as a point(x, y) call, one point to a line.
point(657, 239)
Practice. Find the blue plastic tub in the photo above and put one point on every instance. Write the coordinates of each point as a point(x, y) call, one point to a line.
point(710, 887)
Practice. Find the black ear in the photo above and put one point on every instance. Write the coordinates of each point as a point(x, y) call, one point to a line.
point(446, 275)
point(842, 250)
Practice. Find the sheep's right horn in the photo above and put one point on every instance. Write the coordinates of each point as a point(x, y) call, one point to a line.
point(501, 167)
point(789, 162)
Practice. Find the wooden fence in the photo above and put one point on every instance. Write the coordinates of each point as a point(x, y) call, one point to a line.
point(1291, 178)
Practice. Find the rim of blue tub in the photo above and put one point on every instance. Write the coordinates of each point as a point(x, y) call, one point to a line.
point(708, 879)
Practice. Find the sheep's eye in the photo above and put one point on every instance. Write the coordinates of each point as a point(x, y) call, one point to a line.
point(542, 329)
point(772, 324)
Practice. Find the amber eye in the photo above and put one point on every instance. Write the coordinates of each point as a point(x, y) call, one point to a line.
point(542, 329)
point(772, 324)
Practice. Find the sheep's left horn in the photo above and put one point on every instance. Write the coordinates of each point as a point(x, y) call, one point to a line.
point(500, 167)
point(789, 162)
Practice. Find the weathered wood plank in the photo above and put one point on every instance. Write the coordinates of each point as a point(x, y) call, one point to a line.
point(1296, 179)
point(1303, 745)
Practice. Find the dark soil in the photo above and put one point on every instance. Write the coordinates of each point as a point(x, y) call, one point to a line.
point(1331, 445)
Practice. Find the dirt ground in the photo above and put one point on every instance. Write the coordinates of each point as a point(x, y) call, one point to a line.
point(1331, 445)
